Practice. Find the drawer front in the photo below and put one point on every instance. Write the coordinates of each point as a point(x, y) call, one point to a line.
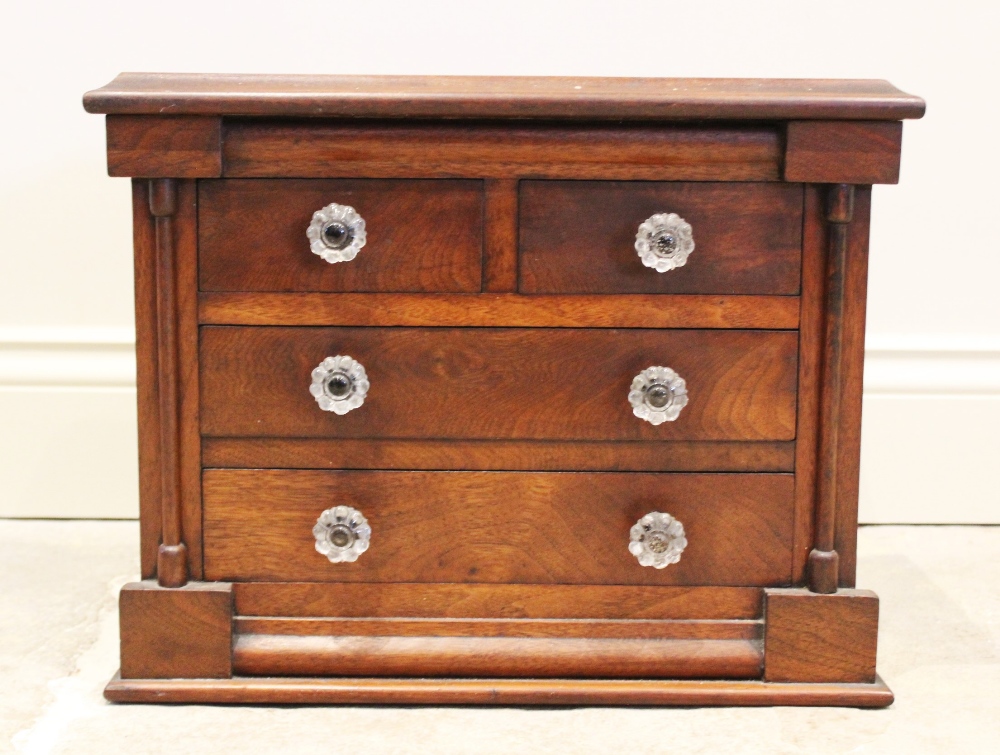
point(498, 527)
point(498, 383)
point(421, 235)
point(579, 237)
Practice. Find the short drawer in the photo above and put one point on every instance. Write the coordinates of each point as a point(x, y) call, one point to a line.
point(498, 527)
point(421, 235)
point(498, 383)
point(580, 236)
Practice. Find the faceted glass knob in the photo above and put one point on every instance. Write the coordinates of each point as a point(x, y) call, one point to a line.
point(336, 233)
point(657, 540)
point(664, 241)
point(657, 395)
point(339, 384)
point(342, 534)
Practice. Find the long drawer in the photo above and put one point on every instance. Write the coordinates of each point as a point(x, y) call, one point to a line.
point(498, 527)
point(498, 383)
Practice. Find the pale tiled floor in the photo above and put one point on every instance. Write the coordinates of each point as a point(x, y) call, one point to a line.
point(939, 651)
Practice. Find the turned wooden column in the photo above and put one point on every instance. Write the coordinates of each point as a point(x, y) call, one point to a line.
point(823, 560)
point(171, 562)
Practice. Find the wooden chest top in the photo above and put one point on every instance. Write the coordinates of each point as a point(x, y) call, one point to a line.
point(650, 99)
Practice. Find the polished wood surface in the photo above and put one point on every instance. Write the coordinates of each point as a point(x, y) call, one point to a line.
point(164, 146)
point(843, 152)
point(664, 629)
point(169, 633)
point(172, 556)
point(823, 558)
point(421, 236)
point(147, 391)
point(502, 97)
point(506, 601)
point(853, 349)
point(499, 527)
point(500, 223)
point(167, 378)
point(498, 383)
point(499, 657)
point(578, 237)
point(502, 310)
point(321, 691)
point(500, 455)
point(820, 638)
point(814, 244)
point(491, 150)
point(188, 372)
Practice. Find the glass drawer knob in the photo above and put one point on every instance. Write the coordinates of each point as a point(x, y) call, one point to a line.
point(657, 395)
point(664, 241)
point(657, 540)
point(336, 233)
point(339, 384)
point(342, 534)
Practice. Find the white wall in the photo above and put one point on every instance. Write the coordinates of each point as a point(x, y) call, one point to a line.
point(932, 408)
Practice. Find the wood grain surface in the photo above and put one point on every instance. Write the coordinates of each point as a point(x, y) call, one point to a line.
point(498, 383)
point(502, 310)
point(503, 601)
point(843, 152)
point(186, 229)
point(421, 235)
point(147, 389)
point(500, 235)
point(463, 657)
point(579, 237)
point(177, 632)
point(464, 149)
point(329, 691)
point(617, 456)
point(164, 146)
point(664, 629)
point(849, 435)
point(810, 345)
point(499, 527)
point(502, 97)
point(172, 556)
point(823, 570)
point(820, 638)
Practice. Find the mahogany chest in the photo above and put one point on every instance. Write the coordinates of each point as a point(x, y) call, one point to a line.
point(459, 390)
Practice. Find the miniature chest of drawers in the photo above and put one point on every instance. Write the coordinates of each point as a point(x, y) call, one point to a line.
point(515, 391)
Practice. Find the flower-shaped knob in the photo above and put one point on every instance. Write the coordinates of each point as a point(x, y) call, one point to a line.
point(336, 233)
point(657, 540)
point(657, 395)
point(339, 384)
point(664, 241)
point(342, 534)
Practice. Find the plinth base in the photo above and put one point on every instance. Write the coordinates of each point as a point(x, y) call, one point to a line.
point(371, 691)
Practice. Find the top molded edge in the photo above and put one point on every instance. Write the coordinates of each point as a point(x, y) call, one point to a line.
point(637, 99)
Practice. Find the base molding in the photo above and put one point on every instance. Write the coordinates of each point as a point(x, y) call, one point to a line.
point(346, 691)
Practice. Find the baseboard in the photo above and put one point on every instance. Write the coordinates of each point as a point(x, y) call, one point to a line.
point(927, 365)
point(68, 435)
point(67, 357)
point(931, 430)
